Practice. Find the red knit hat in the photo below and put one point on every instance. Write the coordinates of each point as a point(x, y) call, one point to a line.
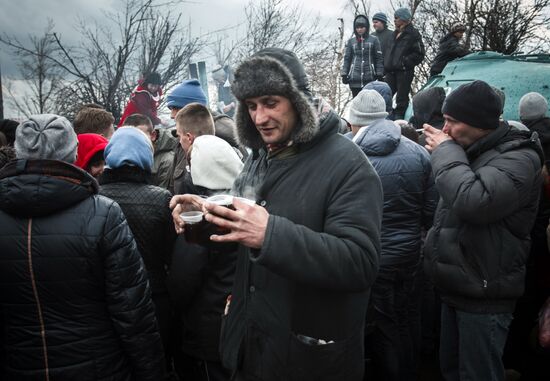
point(88, 146)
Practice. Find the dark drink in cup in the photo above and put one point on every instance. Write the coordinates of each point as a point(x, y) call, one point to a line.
point(227, 201)
point(222, 200)
point(194, 229)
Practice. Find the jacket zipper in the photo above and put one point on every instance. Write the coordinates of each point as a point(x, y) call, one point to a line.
point(37, 300)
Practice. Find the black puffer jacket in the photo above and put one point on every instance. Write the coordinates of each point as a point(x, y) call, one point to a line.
point(449, 49)
point(477, 249)
point(363, 60)
point(406, 52)
point(75, 299)
point(146, 209)
point(410, 197)
point(200, 281)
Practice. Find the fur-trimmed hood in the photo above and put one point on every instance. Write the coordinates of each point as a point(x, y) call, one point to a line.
point(273, 72)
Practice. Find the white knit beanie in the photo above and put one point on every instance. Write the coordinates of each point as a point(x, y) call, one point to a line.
point(532, 106)
point(214, 163)
point(367, 107)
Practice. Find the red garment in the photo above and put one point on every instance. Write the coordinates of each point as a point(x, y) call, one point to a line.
point(142, 102)
point(88, 146)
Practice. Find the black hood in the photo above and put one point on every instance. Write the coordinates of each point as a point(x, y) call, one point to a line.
point(366, 19)
point(34, 188)
point(542, 128)
point(427, 106)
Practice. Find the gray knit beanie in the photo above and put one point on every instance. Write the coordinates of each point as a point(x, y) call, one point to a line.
point(532, 106)
point(367, 107)
point(403, 14)
point(46, 136)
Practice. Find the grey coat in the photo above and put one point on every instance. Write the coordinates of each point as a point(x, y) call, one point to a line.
point(476, 251)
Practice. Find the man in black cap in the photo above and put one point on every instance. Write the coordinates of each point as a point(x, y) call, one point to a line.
point(382, 32)
point(488, 176)
point(406, 52)
point(309, 248)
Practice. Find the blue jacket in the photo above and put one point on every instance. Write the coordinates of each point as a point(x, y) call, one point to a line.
point(410, 197)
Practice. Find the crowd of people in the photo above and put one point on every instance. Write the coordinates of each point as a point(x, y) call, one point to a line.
point(285, 242)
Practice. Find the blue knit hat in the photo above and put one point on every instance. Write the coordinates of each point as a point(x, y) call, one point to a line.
point(403, 14)
point(129, 146)
point(380, 16)
point(188, 91)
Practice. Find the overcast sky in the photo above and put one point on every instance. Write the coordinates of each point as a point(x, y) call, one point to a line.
point(24, 17)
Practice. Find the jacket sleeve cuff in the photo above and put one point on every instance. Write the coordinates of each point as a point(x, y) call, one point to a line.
point(259, 255)
point(447, 153)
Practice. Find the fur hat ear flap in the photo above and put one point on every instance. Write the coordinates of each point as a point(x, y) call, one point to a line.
point(262, 75)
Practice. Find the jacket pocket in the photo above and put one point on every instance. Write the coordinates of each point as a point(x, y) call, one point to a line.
point(339, 360)
point(230, 346)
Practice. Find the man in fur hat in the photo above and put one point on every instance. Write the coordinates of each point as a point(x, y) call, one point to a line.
point(309, 247)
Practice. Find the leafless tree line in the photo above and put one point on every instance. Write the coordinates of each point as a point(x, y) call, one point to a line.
point(503, 26)
point(144, 37)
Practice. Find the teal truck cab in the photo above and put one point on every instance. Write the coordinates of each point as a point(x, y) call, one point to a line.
point(515, 75)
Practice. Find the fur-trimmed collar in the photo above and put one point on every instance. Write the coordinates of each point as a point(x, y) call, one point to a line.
point(263, 75)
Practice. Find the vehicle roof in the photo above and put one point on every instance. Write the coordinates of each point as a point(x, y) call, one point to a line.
point(515, 75)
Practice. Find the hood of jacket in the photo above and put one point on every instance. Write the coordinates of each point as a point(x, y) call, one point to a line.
point(355, 26)
point(379, 139)
point(504, 139)
point(143, 89)
point(447, 39)
point(542, 128)
point(165, 141)
point(427, 106)
point(34, 188)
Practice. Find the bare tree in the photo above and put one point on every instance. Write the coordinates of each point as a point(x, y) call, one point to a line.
point(271, 23)
point(112, 55)
point(509, 24)
point(358, 7)
point(41, 74)
point(323, 67)
point(504, 26)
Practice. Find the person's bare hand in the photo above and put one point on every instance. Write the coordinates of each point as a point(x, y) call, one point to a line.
point(434, 137)
point(178, 203)
point(247, 224)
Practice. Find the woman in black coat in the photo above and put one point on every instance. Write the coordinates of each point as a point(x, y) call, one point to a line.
point(129, 157)
point(74, 298)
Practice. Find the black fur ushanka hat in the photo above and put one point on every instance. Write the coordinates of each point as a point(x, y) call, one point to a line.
point(273, 71)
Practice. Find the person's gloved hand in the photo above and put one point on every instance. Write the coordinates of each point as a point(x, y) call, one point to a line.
point(345, 79)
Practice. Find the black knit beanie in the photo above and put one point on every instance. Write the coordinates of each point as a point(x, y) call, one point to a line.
point(152, 78)
point(475, 104)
